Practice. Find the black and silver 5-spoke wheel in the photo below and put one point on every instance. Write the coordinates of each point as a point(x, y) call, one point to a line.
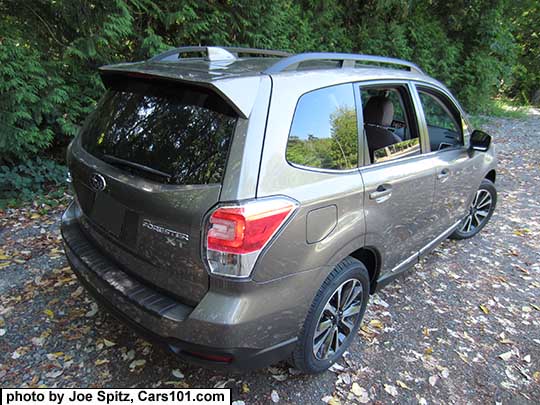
point(334, 317)
point(480, 211)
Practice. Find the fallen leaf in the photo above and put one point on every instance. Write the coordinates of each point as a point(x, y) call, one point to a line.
point(177, 384)
point(245, 388)
point(360, 393)
point(108, 343)
point(335, 368)
point(130, 355)
point(433, 380)
point(376, 323)
point(37, 341)
point(54, 374)
point(391, 389)
point(137, 363)
point(510, 374)
point(330, 400)
point(49, 313)
point(402, 385)
point(484, 309)
point(99, 362)
point(223, 384)
point(93, 310)
point(77, 292)
point(506, 356)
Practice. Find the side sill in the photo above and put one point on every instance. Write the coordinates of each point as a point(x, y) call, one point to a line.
point(411, 261)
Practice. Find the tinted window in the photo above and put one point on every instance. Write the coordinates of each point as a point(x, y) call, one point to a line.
point(443, 128)
point(389, 134)
point(170, 134)
point(324, 132)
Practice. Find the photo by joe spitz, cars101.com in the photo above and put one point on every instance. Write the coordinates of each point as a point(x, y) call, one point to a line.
point(239, 206)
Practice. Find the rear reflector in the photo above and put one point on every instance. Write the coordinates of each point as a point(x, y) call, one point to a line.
point(211, 357)
point(237, 234)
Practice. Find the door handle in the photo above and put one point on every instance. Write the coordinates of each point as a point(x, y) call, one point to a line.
point(443, 174)
point(382, 193)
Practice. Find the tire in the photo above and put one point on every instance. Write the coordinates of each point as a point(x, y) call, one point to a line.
point(473, 222)
point(348, 275)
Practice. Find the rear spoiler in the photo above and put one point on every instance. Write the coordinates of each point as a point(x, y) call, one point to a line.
point(238, 92)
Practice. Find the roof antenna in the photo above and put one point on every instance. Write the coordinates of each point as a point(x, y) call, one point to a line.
point(219, 54)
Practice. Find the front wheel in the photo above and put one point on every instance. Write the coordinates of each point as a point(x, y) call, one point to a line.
point(334, 317)
point(480, 211)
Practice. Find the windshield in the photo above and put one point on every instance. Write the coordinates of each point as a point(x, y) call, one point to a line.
point(172, 134)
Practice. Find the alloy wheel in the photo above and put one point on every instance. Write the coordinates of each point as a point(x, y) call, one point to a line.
point(338, 319)
point(478, 211)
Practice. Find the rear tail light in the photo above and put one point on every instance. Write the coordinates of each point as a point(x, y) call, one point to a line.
point(236, 234)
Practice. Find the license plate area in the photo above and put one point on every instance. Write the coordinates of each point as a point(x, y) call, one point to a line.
point(108, 213)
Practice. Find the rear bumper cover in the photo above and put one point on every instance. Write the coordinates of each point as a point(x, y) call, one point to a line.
point(159, 317)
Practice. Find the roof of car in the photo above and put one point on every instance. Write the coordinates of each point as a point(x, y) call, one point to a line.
point(219, 67)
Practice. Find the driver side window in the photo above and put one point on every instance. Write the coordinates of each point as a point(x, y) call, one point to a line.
point(442, 121)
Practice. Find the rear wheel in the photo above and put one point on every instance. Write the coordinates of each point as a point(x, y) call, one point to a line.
point(480, 211)
point(334, 317)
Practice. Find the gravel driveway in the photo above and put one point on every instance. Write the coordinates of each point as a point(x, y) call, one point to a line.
point(462, 327)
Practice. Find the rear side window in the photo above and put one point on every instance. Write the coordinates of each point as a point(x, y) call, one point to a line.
point(324, 131)
point(163, 132)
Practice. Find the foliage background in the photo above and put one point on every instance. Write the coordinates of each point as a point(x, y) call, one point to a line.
point(50, 49)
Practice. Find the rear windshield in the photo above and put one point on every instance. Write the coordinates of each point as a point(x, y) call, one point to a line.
point(170, 134)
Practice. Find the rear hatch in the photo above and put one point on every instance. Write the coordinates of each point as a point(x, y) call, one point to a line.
point(147, 166)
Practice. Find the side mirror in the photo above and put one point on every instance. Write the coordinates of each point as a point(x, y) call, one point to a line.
point(480, 140)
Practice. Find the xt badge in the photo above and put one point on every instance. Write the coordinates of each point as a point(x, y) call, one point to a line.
point(173, 238)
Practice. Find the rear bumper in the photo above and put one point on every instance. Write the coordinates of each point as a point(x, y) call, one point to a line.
point(158, 317)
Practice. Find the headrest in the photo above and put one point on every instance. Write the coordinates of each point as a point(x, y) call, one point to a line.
point(379, 110)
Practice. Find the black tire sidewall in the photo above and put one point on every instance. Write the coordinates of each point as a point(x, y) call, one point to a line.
point(303, 358)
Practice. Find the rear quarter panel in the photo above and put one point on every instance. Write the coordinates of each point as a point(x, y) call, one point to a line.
point(291, 252)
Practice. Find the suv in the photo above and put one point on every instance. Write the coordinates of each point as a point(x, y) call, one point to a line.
point(241, 205)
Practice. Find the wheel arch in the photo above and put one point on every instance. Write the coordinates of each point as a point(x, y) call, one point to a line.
point(371, 258)
point(491, 175)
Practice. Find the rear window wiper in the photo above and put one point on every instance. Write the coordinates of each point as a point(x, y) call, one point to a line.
point(114, 159)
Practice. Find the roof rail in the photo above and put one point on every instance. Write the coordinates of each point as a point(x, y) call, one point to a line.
point(346, 59)
point(215, 53)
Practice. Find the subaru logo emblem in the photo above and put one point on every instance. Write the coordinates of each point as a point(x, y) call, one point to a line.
point(97, 182)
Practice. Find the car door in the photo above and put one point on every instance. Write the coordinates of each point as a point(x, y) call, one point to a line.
point(447, 131)
point(399, 180)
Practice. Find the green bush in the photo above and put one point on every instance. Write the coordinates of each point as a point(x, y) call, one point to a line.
point(33, 178)
point(50, 50)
